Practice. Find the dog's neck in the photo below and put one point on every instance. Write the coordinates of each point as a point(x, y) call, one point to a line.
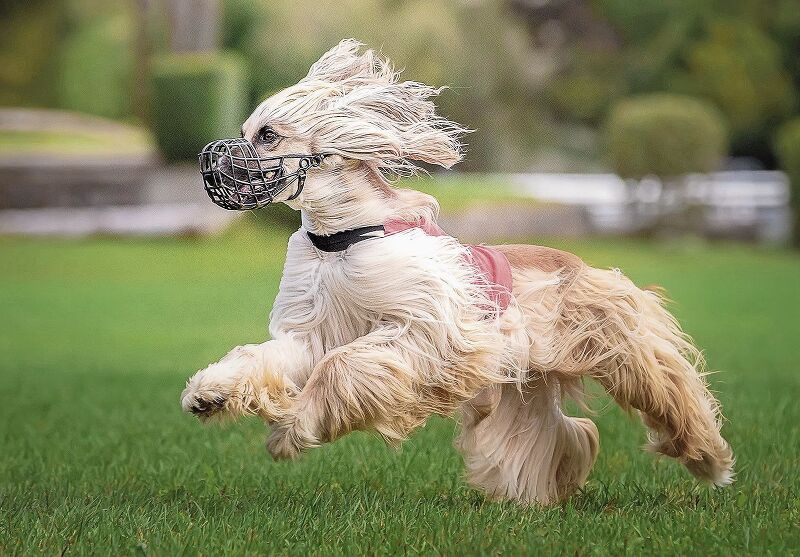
point(357, 198)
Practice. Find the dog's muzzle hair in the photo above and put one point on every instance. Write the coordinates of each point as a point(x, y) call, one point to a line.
point(236, 178)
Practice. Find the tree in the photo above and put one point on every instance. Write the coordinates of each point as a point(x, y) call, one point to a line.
point(739, 68)
point(194, 26)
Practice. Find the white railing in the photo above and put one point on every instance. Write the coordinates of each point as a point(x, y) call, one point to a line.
point(749, 203)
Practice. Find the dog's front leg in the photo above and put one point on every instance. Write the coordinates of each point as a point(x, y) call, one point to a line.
point(255, 379)
point(367, 384)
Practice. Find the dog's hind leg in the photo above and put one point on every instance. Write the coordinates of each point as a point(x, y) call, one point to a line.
point(625, 338)
point(518, 444)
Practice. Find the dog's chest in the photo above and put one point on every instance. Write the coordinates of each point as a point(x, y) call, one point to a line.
point(338, 297)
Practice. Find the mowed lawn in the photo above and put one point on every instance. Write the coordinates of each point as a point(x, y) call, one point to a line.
point(98, 337)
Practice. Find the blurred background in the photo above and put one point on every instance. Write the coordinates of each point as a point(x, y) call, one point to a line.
point(661, 137)
point(593, 116)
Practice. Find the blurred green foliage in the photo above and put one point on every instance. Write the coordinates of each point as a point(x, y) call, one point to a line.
point(787, 146)
point(96, 68)
point(196, 98)
point(30, 34)
point(739, 68)
point(532, 77)
point(741, 55)
point(665, 135)
point(586, 92)
point(437, 42)
point(71, 54)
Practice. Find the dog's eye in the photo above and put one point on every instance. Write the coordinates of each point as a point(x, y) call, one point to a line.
point(268, 136)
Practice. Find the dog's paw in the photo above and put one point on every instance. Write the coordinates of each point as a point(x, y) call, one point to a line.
point(221, 388)
point(202, 404)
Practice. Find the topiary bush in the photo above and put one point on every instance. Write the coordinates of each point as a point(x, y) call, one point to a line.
point(196, 97)
point(665, 135)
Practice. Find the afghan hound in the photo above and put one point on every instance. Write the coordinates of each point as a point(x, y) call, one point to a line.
point(382, 319)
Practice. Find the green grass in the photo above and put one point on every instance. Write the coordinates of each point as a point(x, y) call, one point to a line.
point(99, 336)
point(79, 142)
point(459, 193)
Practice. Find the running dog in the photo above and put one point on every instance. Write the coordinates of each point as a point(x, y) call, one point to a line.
point(383, 320)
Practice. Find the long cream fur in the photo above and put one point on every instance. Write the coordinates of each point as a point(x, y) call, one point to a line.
point(397, 328)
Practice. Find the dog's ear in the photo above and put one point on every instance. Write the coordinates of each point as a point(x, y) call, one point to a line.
point(405, 122)
point(365, 113)
point(406, 110)
point(344, 65)
point(393, 124)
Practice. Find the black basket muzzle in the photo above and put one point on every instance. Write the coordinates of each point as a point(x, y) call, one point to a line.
point(236, 178)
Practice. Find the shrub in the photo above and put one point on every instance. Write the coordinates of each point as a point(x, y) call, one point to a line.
point(787, 147)
point(96, 66)
point(665, 135)
point(197, 97)
point(30, 32)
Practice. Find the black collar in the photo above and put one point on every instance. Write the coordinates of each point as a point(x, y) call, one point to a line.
point(340, 241)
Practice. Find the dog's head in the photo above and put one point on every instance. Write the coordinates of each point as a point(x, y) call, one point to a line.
point(351, 111)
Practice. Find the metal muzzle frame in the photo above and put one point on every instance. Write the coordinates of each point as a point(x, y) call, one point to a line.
point(236, 178)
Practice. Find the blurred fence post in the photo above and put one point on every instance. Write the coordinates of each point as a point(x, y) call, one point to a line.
point(194, 25)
